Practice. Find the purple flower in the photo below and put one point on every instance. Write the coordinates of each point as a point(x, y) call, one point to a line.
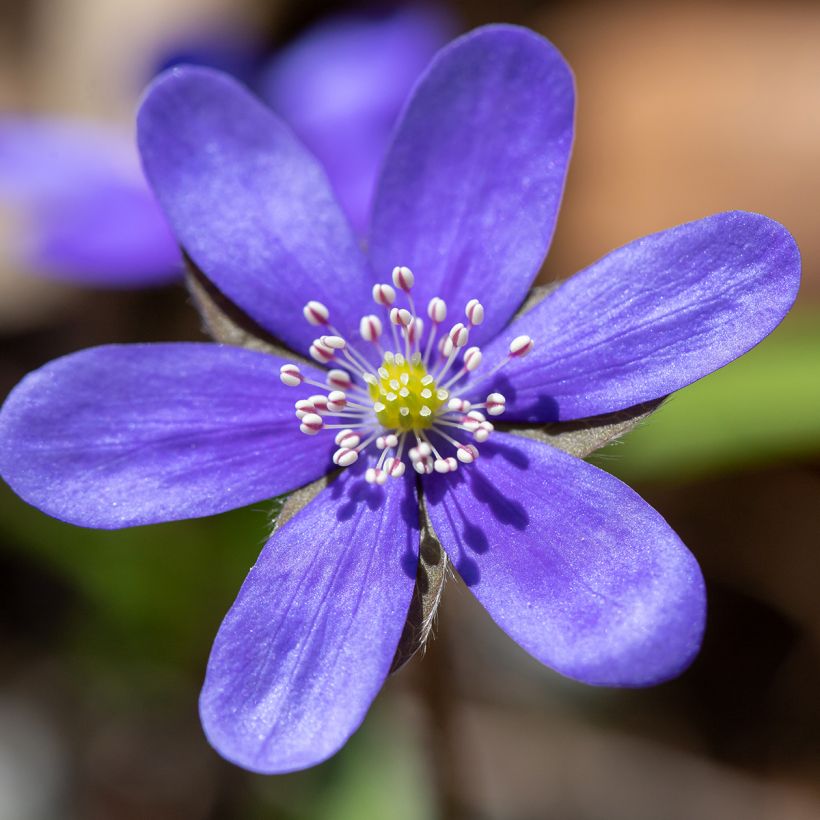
point(341, 86)
point(570, 562)
point(92, 219)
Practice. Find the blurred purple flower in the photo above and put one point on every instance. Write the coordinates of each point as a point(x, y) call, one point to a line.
point(341, 87)
point(89, 215)
point(91, 218)
point(570, 562)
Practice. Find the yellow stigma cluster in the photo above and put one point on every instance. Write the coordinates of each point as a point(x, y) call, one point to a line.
point(405, 396)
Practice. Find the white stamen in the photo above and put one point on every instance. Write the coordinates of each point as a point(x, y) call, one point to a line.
point(290, 375)
point(437, 310)
point(496, 404)
point(373, 475)
point(403, 278)
point(311, 424)
point(370, 328)
point(319, 403)
point(303, 407)
point(474, 312)
point(316, 313)
point(472, 359)
point(414, 330)
point(384, 295)
point(345, 456)
point(334, 342)
point(413, 394)
point(394, 467)
point(336, 400)
point(482, 433)
point(347, 438)
point(340, 379)
point(520, 346)
point(458, 335)
point(467, 453)
point(320, 352)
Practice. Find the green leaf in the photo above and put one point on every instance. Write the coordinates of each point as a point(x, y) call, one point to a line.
point(764, 407)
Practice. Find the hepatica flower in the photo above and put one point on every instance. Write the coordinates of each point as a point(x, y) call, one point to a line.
point(85, 213)
point(90, 218)
point(341, 86)
point(409, 385)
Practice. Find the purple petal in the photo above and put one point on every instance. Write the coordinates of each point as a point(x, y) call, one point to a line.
point(135, 434)
point(571, 563)
point(341, 87)
point(470, 190)
point(309, 641)
point(249, 204)
point(91, 217)
point(649, 318)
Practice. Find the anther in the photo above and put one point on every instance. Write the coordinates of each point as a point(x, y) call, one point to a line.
point(394, 467)
point(482, 433)
point(303, 407)
point(387, 442)
point(316, 313)
point(496, 404)
point(347, 439)
point(458, 335)
point(291, 375)
point(320, 352)
point(459, 405)
point(414, 330)
point(437, 310)
point(340, 379)
point(403, 278)
point(319, 402)
point(472, 359)
point(334, 342)
point(311, 424)
point(345, 456)
point(520, 346)
point(384, 295)
point(467, 453)
point(370, 328)
point(474, 312)
point(373, 475)
point(336, 401)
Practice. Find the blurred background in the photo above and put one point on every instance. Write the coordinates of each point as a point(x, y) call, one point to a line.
point(684, 109)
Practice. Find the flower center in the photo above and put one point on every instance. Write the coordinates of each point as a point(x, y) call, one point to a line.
point(406, 396)
point(407, 408)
